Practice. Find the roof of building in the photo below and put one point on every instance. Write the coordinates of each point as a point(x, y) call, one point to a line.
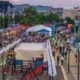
point(42, 8)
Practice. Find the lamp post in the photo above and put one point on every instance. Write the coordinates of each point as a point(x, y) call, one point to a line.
point(78, 60)
point(9, 21)
point(75, 24)
point(3, 17)
point(78, 49)
point(69, 49)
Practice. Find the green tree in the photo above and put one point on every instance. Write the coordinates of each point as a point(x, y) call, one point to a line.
point(30, 14)
point(53, 17)
point(40, 18)
point(1, 22)
point(69, 20)
point(30, 11)
point(18, 18)
point(23, 21)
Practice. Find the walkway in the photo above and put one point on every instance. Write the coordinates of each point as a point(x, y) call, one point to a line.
point(73, 65)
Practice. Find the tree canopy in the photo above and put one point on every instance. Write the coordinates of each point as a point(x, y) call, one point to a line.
point(31, 16)
point(69, 20)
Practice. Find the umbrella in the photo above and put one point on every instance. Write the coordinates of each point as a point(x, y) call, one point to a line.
point(43, 31)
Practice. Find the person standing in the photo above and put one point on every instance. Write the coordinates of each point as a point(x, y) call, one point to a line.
point(76, 56)
point(60, 49)
point(4, 72)
point(53, 53)
point(58, 58)
point(62, 60)
point(65, 55)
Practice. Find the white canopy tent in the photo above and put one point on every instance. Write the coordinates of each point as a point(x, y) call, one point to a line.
point(39, 27)
point(28, 51)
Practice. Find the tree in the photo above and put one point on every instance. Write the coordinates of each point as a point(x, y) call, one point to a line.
point(30, 11)
point(40, 18)
point(30, 14)
point(23, 21)
point(18, 18)
point(53, 17)
point(1, 22)
point(69, 20)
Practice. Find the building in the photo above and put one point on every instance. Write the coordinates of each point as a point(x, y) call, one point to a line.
point(73, 13)
point(19, 8)
point(39, 8)
point(58, 11)
point(10, 11)
point(43, 9)
point(78, 14)
point(4, 6)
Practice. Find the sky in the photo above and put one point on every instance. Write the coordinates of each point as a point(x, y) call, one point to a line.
point(54, 3)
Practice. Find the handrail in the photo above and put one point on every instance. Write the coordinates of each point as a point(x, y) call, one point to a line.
point(51, 61)
point(25, 73)
point(22, 78)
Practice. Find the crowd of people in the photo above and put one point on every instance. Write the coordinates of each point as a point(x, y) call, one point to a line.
point(7, 38)
point(63, 48)
point(35, 38)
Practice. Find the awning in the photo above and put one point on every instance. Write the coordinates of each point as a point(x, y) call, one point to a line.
point(43, 31)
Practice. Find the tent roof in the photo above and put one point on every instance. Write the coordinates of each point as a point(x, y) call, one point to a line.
point(37, 28)
point(31, 46)
point(43, 30)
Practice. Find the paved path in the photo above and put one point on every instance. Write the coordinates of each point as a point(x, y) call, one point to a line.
point(62, 67)
point(73, 65)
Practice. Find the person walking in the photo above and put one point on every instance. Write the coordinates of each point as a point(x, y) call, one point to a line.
point(53, 53)
point(76, 56)
point(62, 60)
point(58, 58)
point(65, 55)
point(60, 49)
point(4, 72)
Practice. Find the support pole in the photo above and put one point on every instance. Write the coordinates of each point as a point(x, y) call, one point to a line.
point(78, 65)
